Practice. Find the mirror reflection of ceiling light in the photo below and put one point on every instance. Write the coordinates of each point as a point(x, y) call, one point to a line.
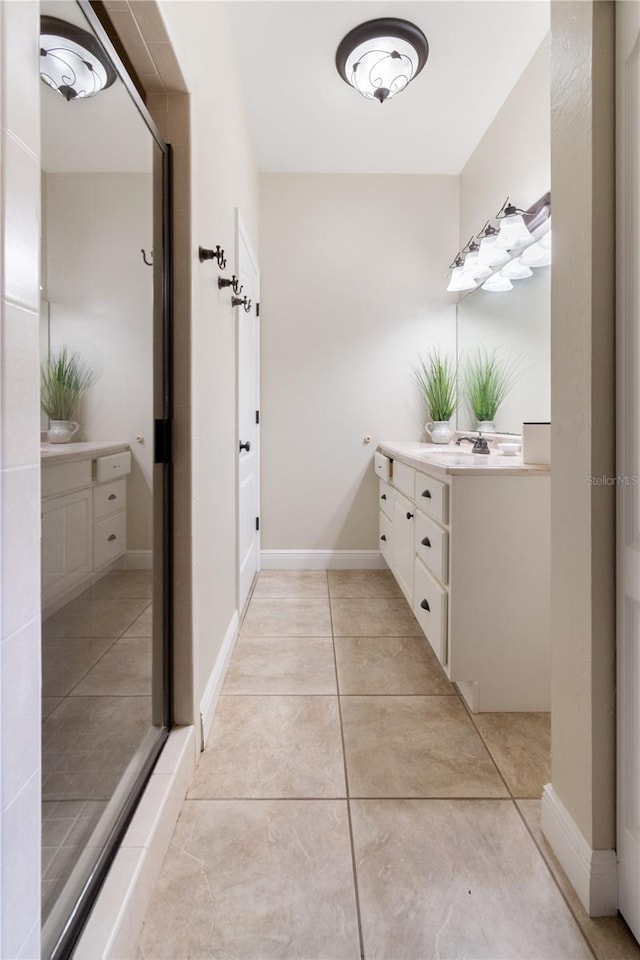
point(497, 283)
point(538, 254)
point(72, 61)
point(381, 57)
point(516, 270)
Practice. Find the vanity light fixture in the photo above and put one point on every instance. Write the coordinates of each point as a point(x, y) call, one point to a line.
point(72, 61)
point(381, 57)
point(497, 283)
point(489, 254)
point(538, 254)
point(458, 281)
point(513, 232)
point(472, 267)
point(516, 270)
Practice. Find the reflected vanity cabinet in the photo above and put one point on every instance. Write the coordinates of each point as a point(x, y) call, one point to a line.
point(471, 554)
point(83, 520)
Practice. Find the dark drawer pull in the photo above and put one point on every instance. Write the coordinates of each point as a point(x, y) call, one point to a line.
point(383, 497)
point(384, 537)
point(111, 537)
point(425, 605)
point(409, 516)
point(426, 542)
point(427, 494)
point(112, 496)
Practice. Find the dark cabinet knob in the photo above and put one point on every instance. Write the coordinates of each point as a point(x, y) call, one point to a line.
point(112, 496)
point(245, 446)
point(383, 497)
point(112, 537)
point(409, 516)
point(425, 605)
point(427, 494)
point(384, 537)
point(426, 542)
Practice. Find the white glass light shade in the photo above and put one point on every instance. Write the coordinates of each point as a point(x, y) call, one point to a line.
point(458, 282)
point(538, 254)
point(490, 255)
point(513, 233)
point(516, 270)
point(473, 269)
point(72, 61)
point(381, 57)
point(497, 284)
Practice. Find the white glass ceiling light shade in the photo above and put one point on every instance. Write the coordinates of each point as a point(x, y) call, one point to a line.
point(538, 254)
point(381, 57)
point(472, 268)
point(72, 61)
point(459, 281)
point(516, 270)
point(490, 254)
point(497, 284)
point(513, 232)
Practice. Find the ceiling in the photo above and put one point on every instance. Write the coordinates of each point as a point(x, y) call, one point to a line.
point(304, 118)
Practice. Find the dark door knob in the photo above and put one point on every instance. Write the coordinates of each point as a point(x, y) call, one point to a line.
point(425, 542)
point(384, 537)
point(409, 516)
point(425, 605)
point(245, 446)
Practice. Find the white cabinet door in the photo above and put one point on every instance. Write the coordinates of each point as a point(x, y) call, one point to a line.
point(66, 541)
point(402, 550)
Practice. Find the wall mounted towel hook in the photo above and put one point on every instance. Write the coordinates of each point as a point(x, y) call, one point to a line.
point(241, 301)
point(234, 283)
point(149, 262)
point(218, 254)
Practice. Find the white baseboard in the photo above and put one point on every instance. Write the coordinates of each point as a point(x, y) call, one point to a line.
point(593, 873)
point(322, 560)
point(138, 560)
point(211, 694)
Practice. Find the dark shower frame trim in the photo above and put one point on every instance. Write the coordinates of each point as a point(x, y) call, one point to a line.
point(76, 922)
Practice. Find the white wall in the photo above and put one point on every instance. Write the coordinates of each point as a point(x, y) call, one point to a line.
point(222, 177)
point(514, 158)
point(100, 296)
point(353, 289)
point(19, 484)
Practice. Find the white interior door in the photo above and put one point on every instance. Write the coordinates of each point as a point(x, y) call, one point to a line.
point(628, 444)
point(248, 354)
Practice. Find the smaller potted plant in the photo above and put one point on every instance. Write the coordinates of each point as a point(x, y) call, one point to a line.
point(487, 380)
point(63, 382)
point(436, 376)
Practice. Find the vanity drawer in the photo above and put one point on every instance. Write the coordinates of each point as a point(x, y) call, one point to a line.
point(382, 466)
point(109, 498)
point(403, 478)
point(430, 609)
point(385, 534)
point(386, 501)
point(108, 539)
point(432, 545)
point(66, 476)
point(431, 496)
point(116, 465)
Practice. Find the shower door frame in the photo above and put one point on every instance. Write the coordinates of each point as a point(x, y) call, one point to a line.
point(163, 502)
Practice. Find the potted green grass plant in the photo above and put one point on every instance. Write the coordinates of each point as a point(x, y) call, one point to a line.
point(64, 380)
point(487, 379)
point(437, 378)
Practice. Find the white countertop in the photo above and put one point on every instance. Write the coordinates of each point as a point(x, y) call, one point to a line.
point(56, 452)
point(448, 459)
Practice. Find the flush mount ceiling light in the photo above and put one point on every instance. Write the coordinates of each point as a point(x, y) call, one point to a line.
point(381, 57)
point(72, 61)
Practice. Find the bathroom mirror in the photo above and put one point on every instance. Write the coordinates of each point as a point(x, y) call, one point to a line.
point(517, 325)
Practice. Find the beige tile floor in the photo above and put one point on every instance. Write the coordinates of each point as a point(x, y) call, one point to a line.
point(96, 709)
point(348, 805)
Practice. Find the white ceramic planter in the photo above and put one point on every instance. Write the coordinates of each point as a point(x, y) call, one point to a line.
point(61, 431)
point(440, 432)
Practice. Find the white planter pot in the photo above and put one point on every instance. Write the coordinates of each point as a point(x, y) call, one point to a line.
point(486, 426)
point(440, 432)
point(61, 431)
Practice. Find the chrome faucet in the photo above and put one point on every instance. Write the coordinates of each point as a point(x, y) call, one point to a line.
point(480, 444)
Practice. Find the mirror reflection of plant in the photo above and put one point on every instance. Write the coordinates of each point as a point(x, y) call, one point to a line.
point(63, 382)
point(487, 379)
point(437, 378)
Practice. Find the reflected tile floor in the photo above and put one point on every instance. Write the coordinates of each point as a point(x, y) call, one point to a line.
point(96, 711)
point(348, 805)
